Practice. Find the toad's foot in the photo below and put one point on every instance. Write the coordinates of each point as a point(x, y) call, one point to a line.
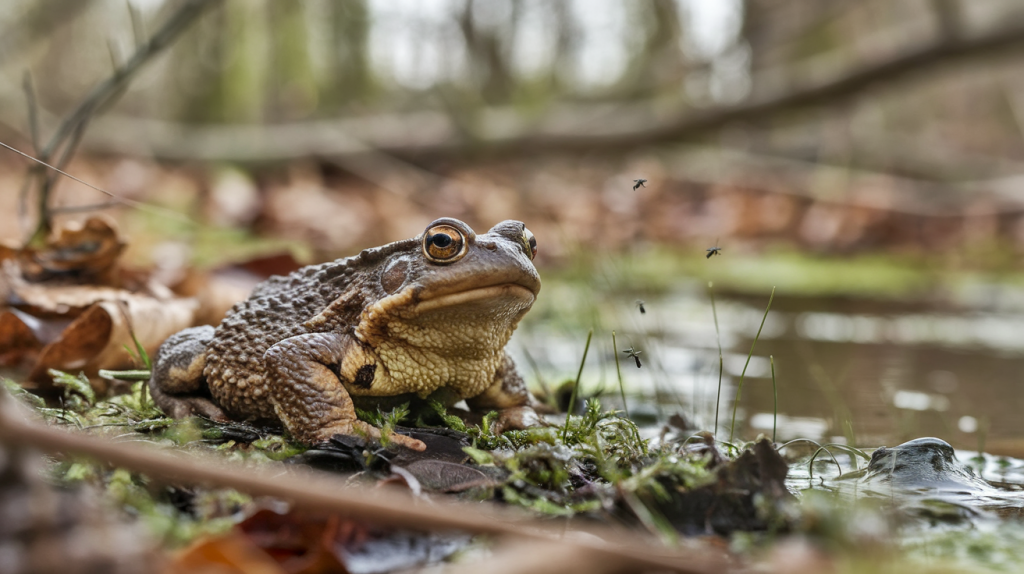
point(517, 418)
point(185, 406)
point(371, 432)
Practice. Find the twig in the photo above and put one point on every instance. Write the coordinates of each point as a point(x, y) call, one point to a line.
point(322, 491)
point(721, 361)
point(138, 26)
point(33, 110)
point(86, 207)
point(618, 372)
point(530, 557)
point(124, 200)
point(71, 129)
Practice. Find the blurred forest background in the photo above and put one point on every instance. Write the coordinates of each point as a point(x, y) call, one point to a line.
point(832, 148)
point(833, 126)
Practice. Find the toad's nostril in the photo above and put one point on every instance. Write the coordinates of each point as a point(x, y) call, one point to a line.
point(489, 245)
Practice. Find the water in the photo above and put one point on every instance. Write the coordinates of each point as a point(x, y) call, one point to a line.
point(879, 372)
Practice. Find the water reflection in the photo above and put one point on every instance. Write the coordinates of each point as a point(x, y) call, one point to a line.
point(879, 372)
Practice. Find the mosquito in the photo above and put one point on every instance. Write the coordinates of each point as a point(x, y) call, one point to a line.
point(716, 250)
point(633, 354)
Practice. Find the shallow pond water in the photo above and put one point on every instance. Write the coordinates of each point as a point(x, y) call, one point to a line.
point(868, 371)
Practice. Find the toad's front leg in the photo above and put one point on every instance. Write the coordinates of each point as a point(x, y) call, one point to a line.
point(308, 396)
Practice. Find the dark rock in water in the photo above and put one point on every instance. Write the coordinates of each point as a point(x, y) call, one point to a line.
point(923, 479)
point(747, 495)
point(922, 463)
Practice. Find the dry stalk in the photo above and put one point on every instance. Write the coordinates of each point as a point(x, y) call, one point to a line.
point(529, 557)
point(72, 128)
point(309, 489)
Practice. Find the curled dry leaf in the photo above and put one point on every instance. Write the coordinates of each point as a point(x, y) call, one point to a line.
point(97, 338)
point(443, 476)
point(22, 335)
point(42, 299)
point(232, 553)
point(308, 542)
point(78, 252)
point(66, 309)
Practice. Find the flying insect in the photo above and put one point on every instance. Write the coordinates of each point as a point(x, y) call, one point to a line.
point(633, 354)
point(716, 250)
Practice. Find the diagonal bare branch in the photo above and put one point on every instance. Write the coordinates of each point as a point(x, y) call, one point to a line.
point(505, 132)
point(70, 131)
point(322, 491)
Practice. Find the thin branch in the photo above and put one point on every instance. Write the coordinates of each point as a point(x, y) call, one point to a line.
point(163, 37)
point(33, 130)
point(71, 129)
point(322, 491)
point(521, 557)
point(84, 208)
point(33, 110)
point(123, 200)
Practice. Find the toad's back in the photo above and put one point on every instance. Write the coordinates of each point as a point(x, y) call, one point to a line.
point(278, 309)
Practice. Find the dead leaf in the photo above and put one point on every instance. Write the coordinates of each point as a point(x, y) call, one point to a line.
point(77, 252)
point(229, 554)
point(309, 542)
point(49, 299)
point(97, 338)
point(443, 476)
point(22, 335)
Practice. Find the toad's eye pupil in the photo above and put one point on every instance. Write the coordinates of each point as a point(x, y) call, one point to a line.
point(441, 240)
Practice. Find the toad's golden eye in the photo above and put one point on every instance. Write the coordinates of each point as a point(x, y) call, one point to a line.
point(444, 244)
point(530, 242)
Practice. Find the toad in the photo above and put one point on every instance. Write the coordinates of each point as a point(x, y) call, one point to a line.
point(425, 318)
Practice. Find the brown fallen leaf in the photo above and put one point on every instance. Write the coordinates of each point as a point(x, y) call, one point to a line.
point(232, 553)
point(77, 252)
point(311, 542)
point(22, 335)
point(97, 338)
point(443, 476)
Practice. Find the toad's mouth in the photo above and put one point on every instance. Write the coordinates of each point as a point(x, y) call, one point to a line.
point(507, 293)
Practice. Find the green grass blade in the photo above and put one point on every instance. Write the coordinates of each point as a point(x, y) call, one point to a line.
point(618, 371)
point(743, 373)
point(775, 395)
point(576, 386)
point(718, 338)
